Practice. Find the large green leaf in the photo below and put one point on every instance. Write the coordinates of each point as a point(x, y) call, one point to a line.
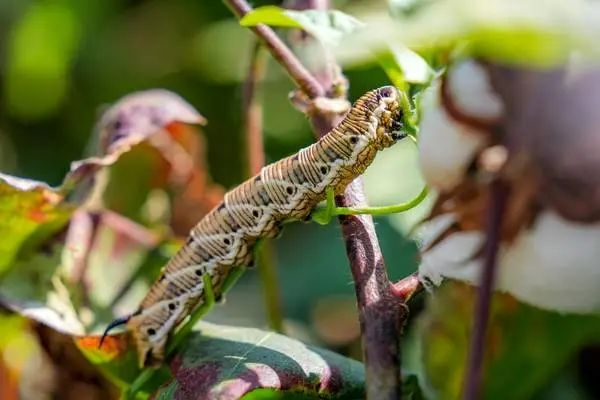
point(230, 362)
point(526, 347)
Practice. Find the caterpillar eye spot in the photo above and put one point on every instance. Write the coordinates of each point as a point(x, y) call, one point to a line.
point(290, 190)
point(198, 272)
point(353, 140)
point(227, 241)
point(255, 214)
point(172, 306)
point(151, 331)
point(324, 169)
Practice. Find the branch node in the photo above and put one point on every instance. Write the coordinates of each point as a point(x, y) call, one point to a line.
point(407, 287)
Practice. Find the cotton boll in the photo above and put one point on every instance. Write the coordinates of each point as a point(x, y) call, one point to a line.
point(554, 266)
point(447, 147)
point(449, 258)
point(472, 93)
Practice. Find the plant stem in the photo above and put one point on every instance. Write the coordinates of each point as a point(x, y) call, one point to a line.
point(381, 313)
point(495, 213)
point(252, 115)
point(280, 52)
point(252, 111)
point(407, 287)
point(382, 210)
point(268, 274)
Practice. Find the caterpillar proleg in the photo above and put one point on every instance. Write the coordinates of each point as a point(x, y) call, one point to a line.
point(285, 190)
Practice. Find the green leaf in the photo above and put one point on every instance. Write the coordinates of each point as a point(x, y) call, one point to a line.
point(31, 213)
point(270, 15)
point(401, 64)
point(526, 350)
point(329, 26)
point(230, 362)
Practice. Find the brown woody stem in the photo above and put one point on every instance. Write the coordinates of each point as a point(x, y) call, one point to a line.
point(280, 52)
point(381, 313)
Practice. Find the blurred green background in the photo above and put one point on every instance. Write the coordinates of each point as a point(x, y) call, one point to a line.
point(61, 61)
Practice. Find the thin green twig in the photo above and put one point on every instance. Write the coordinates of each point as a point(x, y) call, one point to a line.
point(382, 210)
point(268, 275)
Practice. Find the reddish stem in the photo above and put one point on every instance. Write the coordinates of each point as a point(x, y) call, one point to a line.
point(252, 111)
point(407, 287)
point(280, 52)
point(495, 213)
point(381, 313)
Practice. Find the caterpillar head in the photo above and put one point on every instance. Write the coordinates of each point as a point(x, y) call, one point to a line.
point(374, 123)
point(387, 117)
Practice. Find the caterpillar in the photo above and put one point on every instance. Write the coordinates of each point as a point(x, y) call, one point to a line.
point(288, 189)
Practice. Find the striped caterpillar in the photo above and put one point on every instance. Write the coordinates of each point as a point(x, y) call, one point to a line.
point(286, 190)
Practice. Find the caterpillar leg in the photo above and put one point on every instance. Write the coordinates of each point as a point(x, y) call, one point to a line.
point(322, 216)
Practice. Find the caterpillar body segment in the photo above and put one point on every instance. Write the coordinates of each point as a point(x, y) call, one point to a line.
point(285, 190)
